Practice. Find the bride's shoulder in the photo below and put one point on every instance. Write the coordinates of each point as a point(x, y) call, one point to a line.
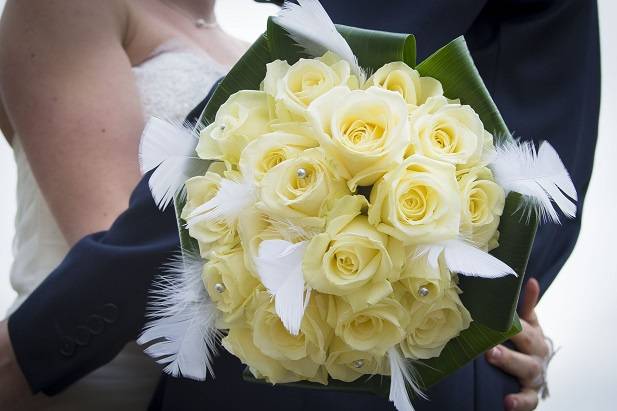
point(55, 17)
point(51, 34)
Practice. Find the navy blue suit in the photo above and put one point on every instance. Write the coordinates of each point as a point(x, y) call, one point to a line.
point(540, 61)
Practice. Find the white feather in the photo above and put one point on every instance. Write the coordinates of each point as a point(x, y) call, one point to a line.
point(464, 258)
point(289, 230)
point(309, 25)
point(279, 265)
point(169, 148)
point(232, 198)
point(540, 176)
point(182, 332)
point(401, 375)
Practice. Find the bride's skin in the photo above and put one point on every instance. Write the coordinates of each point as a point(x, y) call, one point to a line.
point(69, 93)
point(67, 89)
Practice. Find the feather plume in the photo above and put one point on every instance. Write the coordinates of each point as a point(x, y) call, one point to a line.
point(465, 259)
point(169, 148)
point(232, 198)
point(182, 330)
point(289, 230)
point(540, 176)
point(401, 375)
point(279, 265)
point(309, 25)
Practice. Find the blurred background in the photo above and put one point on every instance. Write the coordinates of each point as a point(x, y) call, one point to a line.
point(577, 311)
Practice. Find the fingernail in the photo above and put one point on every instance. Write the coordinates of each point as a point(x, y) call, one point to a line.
point(495, 353)
point(510, 403)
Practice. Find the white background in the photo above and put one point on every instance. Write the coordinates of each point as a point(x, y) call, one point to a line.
point(578, 311)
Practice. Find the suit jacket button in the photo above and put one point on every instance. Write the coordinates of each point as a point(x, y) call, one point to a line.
point(95, 324)
point(83, 336)
point(110, 313)
point(67, 347)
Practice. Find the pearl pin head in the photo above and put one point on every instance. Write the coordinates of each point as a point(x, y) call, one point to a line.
point(358, 363)
point(423, 291)
point(301, 173)
point(219, 288)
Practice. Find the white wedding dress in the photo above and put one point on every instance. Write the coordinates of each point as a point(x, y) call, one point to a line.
point(171, 82)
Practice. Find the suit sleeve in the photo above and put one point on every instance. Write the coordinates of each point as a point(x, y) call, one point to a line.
point(94, 302)
point(543, 96)
point(91, 305)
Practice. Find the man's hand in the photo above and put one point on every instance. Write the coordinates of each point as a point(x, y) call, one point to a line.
point(526, 363)
point(14, 390)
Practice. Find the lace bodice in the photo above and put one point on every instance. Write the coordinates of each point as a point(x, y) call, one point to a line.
point(174, 80)
point(171, 82)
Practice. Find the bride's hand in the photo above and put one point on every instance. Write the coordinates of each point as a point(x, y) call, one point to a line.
point(526, 362)
point(14, 389)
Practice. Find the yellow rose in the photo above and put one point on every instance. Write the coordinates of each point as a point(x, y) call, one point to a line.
point(294, 87)
point(351, 258)
point(450, 132)
point(229, 284)
point(239, 342)
point(271, 149)
point(253, 228)
point(217, 235)
point(401, 78)
point(418, 202)
point(242, 118)
point(365, 132)
point(432, 325)
point(346, 364)
point(374, 329)
point(483, 201)
point(300, 189)
point(303, 354)
point(422, 282)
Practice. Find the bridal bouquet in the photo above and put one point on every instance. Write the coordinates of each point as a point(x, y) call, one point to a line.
point(337, 205)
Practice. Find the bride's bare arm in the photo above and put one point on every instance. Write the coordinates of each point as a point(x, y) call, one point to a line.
point(70, 96)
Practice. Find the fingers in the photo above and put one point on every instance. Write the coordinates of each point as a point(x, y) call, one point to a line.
point(525, 367)
point(531, 340)
point(526, 400)
point(532, 294)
